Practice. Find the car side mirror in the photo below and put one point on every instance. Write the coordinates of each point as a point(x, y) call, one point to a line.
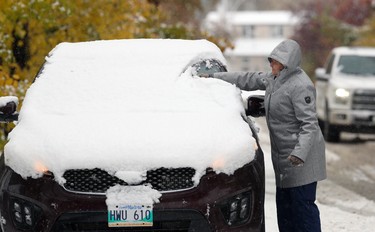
point(255, 106)
point(8, 109)
point(320, 74)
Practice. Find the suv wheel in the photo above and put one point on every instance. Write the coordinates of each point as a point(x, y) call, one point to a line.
point(331, 133)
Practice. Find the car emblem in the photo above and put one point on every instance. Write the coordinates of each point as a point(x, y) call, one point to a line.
point(94, 178)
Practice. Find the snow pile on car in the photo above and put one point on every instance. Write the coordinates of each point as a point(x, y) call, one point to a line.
point(127, 106)
point(141, 195)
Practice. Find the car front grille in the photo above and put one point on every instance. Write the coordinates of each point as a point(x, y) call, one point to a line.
point(364, 100)
point(99, 181)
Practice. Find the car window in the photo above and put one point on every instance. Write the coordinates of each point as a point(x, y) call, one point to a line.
point(330, 64)
point(209, 66)
point(357, 65)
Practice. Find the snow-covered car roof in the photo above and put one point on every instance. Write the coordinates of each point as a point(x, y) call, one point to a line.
point(127, 106)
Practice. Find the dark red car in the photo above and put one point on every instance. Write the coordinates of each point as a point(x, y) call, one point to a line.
point(77, 198)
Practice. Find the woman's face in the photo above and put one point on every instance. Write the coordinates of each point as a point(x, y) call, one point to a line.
point(276, 67)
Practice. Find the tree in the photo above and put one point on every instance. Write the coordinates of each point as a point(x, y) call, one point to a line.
point(327, 24)
point(185, 18)
point(367, 34)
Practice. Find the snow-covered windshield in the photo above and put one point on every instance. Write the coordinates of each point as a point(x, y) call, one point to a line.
point(357, 65)
point(127, 106)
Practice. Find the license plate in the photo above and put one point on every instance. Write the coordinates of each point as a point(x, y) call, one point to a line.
point(130, 215)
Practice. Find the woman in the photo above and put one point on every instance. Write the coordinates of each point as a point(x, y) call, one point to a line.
point(297, 144)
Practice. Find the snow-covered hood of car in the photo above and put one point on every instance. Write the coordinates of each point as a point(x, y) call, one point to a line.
point(126, 107)
point(353, 81)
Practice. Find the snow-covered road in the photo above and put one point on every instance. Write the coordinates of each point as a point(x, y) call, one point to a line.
point(341, 209)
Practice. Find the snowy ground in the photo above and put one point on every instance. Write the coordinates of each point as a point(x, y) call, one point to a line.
point(340, 209)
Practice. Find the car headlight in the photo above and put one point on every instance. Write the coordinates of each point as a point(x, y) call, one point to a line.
point(342, 96)
point(237, 210)
point(24, 214)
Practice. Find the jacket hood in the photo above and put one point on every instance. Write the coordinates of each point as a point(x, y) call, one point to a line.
point(288, 53)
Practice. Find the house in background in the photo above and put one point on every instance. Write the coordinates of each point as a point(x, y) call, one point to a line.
point(254, 35)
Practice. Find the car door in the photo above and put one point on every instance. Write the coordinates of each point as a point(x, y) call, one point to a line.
point(323, 76)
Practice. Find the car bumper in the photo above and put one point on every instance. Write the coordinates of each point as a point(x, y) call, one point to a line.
point(352, 120)
point(203, 208)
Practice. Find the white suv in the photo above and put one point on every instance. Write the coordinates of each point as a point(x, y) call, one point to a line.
point(346, 92)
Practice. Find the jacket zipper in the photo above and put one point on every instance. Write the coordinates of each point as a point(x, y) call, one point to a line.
point(271, 134)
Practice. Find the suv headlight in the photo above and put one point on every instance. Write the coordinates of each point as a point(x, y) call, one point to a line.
point(237, 209)
point(342, 96)
point(24, 214)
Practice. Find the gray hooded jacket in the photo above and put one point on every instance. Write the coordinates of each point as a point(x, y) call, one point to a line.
point(291, 116)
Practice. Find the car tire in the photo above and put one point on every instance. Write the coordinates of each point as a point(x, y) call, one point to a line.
point(330, 132)
point(321, 125)
point(263, 228)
